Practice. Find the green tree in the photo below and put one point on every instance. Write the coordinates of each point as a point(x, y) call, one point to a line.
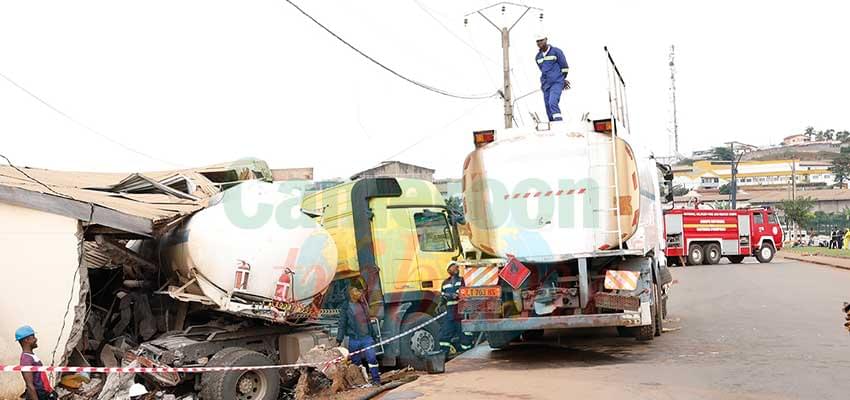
point(455, 206)
point(841, 169)
point(810, 132)
point(799, 211)
point(829, 134)
point(843, 136)
point(725, 188)
point(722, 154)
point(679, 190)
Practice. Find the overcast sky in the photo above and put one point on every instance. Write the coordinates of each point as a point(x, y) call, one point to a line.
point(189, 83)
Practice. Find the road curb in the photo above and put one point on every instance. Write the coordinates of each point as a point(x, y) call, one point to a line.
point(812, 261)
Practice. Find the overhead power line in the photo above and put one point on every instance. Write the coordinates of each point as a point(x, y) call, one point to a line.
point(388, 69)
point(82, 125)
point(446, 28)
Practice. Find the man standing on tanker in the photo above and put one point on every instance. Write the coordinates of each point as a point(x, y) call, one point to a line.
point(553, 76)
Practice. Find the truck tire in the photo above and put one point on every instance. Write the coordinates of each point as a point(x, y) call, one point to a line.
point(532, 335)
point(735, 259)
point(765, 253)
point(500, 340)
point(695, 254)
point(261, 384)
point(648, 332)
point(658, 313)
point(418, 344)
point(712, 254)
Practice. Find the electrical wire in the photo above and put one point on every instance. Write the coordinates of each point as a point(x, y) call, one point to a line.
point(446, 28)
point(388, 69)
point(82, 125)
point(81, 249)
point(438, 130)
point(31, 178)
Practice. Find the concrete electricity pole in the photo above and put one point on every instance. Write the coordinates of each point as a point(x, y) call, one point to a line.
point(506, 42)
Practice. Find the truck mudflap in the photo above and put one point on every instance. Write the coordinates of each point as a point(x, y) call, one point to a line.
point(627, 318)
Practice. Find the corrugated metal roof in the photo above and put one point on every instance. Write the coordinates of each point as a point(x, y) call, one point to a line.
point(142, 204)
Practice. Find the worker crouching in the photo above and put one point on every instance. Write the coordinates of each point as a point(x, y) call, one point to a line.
point(355, 325)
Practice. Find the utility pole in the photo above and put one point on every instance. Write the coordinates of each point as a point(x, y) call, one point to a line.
point(506, 42)
point(793, 180)
point(734, 185)
point(673, 93)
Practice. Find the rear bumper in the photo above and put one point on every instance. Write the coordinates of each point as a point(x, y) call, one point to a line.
point(628, 318)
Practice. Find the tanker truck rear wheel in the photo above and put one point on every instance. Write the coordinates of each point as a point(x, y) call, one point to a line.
point(262, 384)
point(420, 343)
point(695, 254)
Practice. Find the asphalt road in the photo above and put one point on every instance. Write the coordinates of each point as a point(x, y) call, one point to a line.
point(750, 331)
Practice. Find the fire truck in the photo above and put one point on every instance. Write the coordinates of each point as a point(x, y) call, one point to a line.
point(697, 236)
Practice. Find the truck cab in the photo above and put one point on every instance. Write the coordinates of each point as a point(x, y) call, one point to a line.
point(395, 239)
point(766, 230)
point(704, 236)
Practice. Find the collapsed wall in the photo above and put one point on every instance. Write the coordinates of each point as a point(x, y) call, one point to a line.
point(41, 287)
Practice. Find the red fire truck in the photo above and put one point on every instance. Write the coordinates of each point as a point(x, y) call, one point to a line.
point(696, 236)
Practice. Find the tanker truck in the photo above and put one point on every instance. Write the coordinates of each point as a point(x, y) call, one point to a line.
point(256, 267)
point(568, 217)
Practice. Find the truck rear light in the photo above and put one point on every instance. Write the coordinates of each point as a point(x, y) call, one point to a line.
point(483, 137)
point(603, 126)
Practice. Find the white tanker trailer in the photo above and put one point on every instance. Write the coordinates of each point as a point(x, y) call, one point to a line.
point(253, 255)
point(242, 257)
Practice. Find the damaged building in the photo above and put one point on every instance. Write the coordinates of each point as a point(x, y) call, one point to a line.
point(68, 270)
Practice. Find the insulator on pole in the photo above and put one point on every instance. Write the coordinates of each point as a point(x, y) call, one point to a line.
point(503, 10)
point(541, 16)
point(465, 21)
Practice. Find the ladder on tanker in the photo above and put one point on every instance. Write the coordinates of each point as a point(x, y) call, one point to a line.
point(609, 170)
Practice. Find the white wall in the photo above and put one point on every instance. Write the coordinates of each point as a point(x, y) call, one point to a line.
point(39, 259)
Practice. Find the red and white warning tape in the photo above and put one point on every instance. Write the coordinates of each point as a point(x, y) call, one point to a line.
point(110, 370)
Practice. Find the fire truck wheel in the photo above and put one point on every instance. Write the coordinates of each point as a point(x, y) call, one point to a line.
point(765, 253)
point(712, 254)
point(735, 259)
point(261, 384)
point(417, 345)
point(695, 254)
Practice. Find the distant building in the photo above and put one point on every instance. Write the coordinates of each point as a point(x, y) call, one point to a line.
point(795, 140)
point(449, 187)
point(702, 154)
point(396, 169)
point(705, 174)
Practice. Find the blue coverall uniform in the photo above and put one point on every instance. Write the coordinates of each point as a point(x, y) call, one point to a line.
point(354, 324)
point(553, 72)
point(450, 329)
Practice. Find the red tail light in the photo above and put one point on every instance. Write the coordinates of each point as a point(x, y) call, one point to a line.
point(483, 137)
point(603, 126)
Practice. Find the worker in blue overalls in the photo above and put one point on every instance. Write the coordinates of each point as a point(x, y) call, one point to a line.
point(553, 76)
point(450, 328)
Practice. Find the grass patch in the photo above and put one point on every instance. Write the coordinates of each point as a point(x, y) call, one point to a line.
point(818, 251)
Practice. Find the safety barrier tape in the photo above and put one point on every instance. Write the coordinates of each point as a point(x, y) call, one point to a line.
point(109, 370)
